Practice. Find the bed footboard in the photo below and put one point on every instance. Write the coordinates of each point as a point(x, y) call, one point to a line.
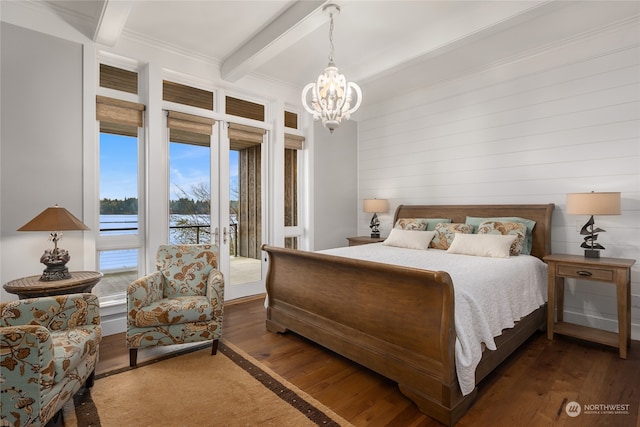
point(397, 321)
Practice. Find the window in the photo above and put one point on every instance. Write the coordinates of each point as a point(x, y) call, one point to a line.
point(189, 178)
point(119, 242)
point(189, 164)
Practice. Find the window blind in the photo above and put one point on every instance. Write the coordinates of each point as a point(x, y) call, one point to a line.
point(187, 95)
point(290, 120)
point(293, 142)
point(243, 136)
point(118, 79)
point(246, 109)
point(189, 128)
point(119, 117)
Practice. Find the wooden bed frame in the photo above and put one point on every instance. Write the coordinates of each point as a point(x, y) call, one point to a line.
point(397, 321)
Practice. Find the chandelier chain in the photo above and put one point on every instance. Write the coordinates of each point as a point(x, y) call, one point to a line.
point(331, 38)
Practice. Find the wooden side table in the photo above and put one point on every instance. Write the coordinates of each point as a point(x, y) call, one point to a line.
point(364, 240)
point(31, 287)
point(610, 270)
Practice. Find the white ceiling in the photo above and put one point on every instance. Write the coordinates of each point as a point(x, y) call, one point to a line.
point(379, 44)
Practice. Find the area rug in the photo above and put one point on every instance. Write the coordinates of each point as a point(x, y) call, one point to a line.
point(197, 389)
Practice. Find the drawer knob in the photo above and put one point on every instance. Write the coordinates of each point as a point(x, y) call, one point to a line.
point(584, 273)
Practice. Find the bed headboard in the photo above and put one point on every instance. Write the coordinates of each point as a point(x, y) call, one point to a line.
point(541, 214)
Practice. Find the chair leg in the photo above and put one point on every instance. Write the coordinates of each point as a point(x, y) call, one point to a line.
point(90, 379)
point(133, 357)
point(214, 347)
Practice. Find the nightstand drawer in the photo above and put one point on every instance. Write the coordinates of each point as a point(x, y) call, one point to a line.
point(581, 272)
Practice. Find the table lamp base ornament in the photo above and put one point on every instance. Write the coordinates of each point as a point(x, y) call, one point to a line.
point(56, 261)
point(592, 249)
point(375, 223)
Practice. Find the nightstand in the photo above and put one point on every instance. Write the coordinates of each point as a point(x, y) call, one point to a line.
point(609, 270)
point(364, 240)
point(32, 287)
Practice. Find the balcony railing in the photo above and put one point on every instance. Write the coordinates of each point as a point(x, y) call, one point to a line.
point(200, 229)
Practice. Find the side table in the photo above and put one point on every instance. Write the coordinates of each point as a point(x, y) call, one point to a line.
point(609, 270)
point(31, 287)
point(364, 240)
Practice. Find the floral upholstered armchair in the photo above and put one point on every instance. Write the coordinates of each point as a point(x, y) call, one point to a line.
point(182, 302)
point(48, 350)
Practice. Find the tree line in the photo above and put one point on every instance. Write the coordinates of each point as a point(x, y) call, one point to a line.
point(129, 206)
point(196, 201)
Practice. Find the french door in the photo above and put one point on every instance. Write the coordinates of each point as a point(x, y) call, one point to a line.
point(241, 209)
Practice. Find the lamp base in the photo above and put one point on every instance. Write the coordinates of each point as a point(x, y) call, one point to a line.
point(56, 261)
point(375, 235)
point(591, 253)
point(55, 272)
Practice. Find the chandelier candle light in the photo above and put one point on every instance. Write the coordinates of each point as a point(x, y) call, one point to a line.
point(331, 94)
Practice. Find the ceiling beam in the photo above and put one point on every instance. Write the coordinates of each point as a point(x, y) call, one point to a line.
point(300, 19)
point(113, 16)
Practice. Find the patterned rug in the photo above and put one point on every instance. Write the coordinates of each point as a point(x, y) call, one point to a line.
point(193, 388)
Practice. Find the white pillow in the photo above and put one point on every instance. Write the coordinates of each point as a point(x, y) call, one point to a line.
point(410, 239)
point(487, 245)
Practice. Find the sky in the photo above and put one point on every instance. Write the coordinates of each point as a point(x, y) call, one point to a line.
point(189, 166)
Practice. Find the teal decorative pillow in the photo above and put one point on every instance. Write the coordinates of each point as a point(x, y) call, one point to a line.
point(445, 232)
point(419, 224)
point(506, 229)
point(528, 240)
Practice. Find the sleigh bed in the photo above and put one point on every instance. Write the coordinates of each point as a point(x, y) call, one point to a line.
point(399, 320)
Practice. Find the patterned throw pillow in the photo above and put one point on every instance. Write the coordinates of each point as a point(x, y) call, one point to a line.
point(530, 224)
point(416, 224)
point(506, 228)
point(419, 224)
point(445, 232)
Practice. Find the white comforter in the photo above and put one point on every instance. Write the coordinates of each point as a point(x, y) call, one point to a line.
point(491, 294)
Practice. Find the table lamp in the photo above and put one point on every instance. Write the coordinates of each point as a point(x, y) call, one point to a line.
point(54, 219)
point(592, 204)
point(374, 206)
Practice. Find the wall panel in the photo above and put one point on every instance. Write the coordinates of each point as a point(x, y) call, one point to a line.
point(530, 131)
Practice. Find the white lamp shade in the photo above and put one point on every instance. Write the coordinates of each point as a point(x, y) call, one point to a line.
point(593, 203)
point(375, 205)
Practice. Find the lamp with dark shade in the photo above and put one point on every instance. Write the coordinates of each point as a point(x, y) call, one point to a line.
point(375, 206)
point(605, 203)
point(54, 220)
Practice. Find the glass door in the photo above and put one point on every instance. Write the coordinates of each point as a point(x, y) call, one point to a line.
point(242, 184)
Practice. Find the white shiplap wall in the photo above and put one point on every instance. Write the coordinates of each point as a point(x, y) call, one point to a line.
point(563, 120)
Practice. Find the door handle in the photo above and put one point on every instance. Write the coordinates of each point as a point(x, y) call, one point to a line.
point(216, 235)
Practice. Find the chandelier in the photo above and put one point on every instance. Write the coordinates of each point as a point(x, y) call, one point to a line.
point(331, 94)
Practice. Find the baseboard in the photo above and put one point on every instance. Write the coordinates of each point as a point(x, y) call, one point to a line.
point(599, 323)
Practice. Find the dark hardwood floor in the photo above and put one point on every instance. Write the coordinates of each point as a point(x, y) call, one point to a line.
point(531, 388)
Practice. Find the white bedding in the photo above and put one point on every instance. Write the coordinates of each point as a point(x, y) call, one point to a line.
point(491, 294)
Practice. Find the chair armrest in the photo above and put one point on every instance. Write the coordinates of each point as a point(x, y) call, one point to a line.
point(144, 291)
point(26, 356)
point(55, 313)
point(215, 288)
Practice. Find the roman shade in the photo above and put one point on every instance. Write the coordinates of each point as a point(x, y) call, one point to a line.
point(189, 128)
point(118, 116)
point(243, 136)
